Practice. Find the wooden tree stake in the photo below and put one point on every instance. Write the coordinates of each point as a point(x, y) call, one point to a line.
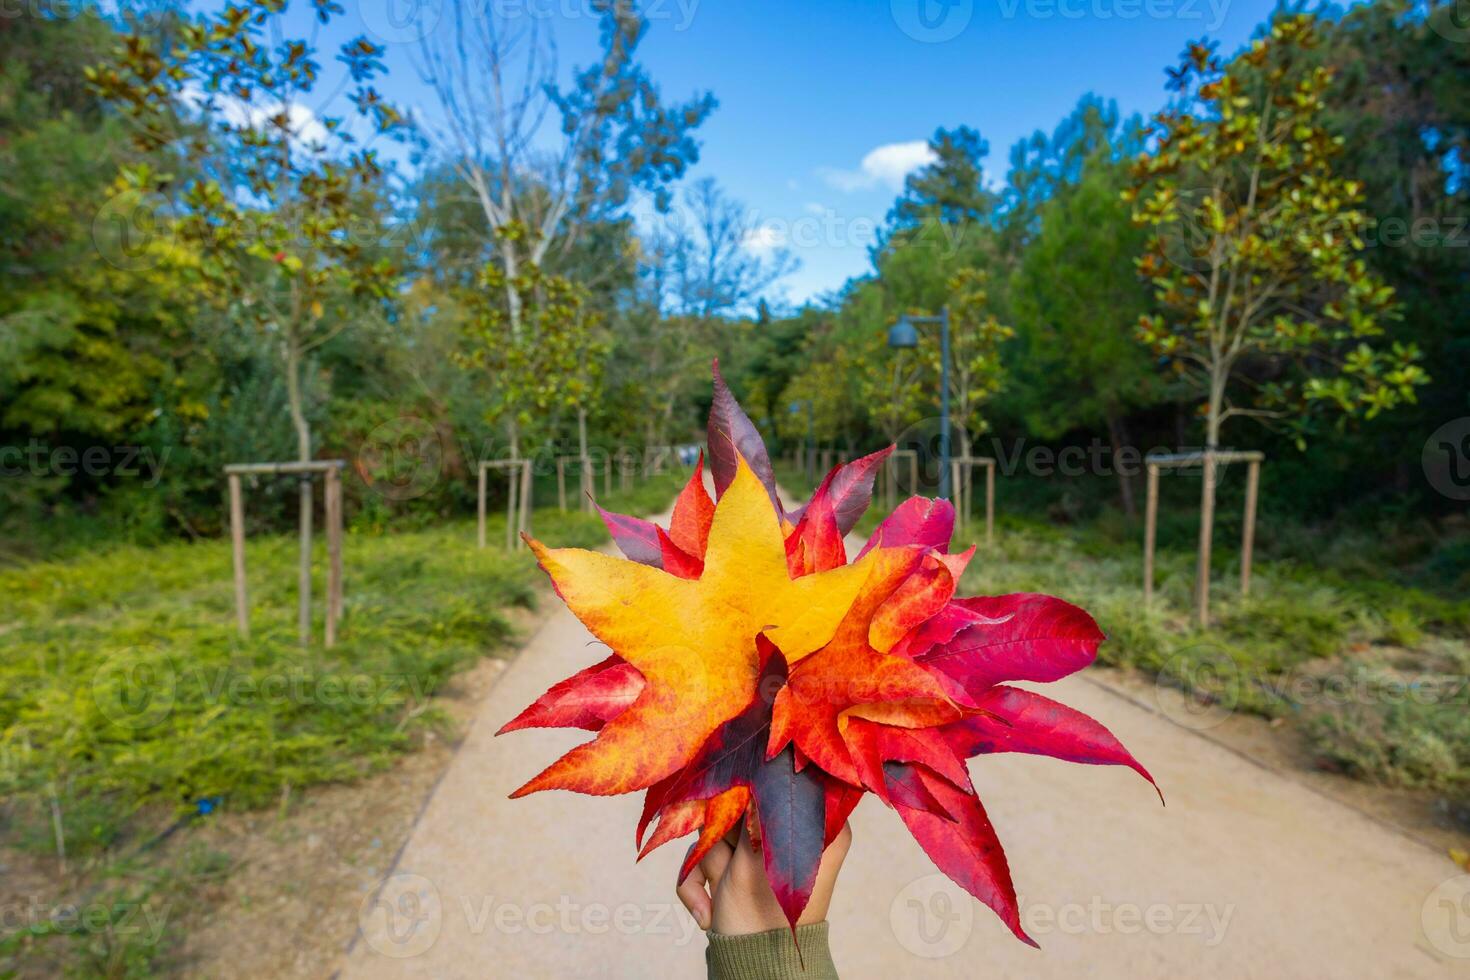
point(237, 544)
point(1150, 526)
point(332, 492)
point(1248, 533)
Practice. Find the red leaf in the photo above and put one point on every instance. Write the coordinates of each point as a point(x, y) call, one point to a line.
point(842, 798)
point(816, 544)
point(966, 849)
point(693, 514)
point(905, 788)
point(850, 490)
point(1029, 637)
point(635, 537)
point(943, 627)
point(792, 807)
point(1022, 721)
point(653, 801)
point(675, 822)
point(732, 436)
point(916, 521)
point(675, 560)
point(918, 598)
point(871, 745)
point(588, 699)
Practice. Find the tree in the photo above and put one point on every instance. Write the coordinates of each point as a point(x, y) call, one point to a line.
point(551, 363)
point(1076, 304)
point(1043, 166)
point(950, 188)
point(494, 75)
point(1269, 309)
point(275, 193)
point(976, 373)
point(1401, 101)
point(699, 271)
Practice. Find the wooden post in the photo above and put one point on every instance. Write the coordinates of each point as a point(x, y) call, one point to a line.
point(525, 502)
point(589, 483)
point(1150, 524)
point(1248, 534)
point(480, 507)
point(957, 491)
point(607, 475)
point(990, 504)
point(332, 498)
point(1206, 541)
point(512, 484)
point(237, 543)
point(561, 483)
point(303, 568)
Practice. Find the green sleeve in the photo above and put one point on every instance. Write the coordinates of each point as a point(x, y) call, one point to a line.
point(771, 955)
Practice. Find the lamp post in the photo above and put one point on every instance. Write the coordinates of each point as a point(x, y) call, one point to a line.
point(903, 334)
point(810, 428)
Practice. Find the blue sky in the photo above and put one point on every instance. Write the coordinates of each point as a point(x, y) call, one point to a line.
point(824, 105)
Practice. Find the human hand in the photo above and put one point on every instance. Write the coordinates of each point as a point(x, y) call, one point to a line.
point(729, 893)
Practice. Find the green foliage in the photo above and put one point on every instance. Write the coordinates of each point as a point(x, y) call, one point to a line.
point(1382, 696)
point(1076, 304)
point(541, 350)
point(126, 695)
point(1255, 251)
point(273, 193)
point(950, 189)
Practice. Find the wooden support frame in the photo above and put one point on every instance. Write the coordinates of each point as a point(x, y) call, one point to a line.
point(331, 472)
point(627, 467)
point(654, 458)
point(517, 499)
point(1210, 461)
point(962, 473)
point(890, 475)
point(586, 478)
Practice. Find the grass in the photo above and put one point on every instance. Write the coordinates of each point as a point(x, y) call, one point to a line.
point(130, 706)
point(1344, 634)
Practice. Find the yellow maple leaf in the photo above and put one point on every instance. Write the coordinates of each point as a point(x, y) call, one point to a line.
point(694, 640)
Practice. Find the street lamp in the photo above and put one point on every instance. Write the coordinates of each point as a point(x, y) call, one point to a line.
point(810, 461)
point(903, 335)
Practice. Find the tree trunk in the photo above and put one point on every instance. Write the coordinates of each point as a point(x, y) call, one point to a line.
point(1118, 436)
point(303, 455)
point(1207, 501)
point(584, 464)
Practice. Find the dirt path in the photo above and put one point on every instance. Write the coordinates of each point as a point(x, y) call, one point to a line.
point(1246, 873)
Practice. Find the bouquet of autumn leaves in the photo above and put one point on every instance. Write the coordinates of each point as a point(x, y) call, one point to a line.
point(758, 674)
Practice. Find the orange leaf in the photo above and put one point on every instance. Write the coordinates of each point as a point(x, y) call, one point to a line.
point(848, 672)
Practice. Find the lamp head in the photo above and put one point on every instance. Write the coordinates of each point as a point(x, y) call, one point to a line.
point(902, 334)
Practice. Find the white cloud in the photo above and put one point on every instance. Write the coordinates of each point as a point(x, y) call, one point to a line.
point(763, 239)
point(306, 128)
point(812, 207)
point(883, 166)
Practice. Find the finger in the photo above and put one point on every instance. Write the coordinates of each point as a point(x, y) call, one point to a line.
point(691, 892)
point(715, 863)
point(695, 890)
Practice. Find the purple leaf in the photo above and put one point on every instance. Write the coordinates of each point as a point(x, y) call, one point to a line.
point(792, 807)
point(637, 538)
point(731, 436)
